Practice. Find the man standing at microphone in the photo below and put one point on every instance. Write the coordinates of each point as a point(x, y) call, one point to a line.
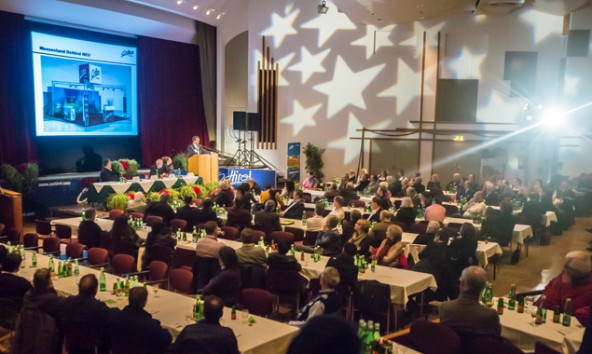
point(194, 148)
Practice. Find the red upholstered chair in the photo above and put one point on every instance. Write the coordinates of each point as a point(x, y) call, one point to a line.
point(51, 245)
point(184, 258)
point(98, 257)
point(74, 250)
point(257, 234)
point(284, 236)
point(158, 271)
point(357, 203)
point(87, 181)
point(258, 301)
point(123, 264)
point(136, 215)
point(64, 233)
point(178, 224)
point(115, 213)
point(297, 232)
point(150, 219)
point(488, 345)
point(31, 240)
point(284, 284)
point(43, 228)
point(180, 281)
point(230, 233)
point(442, 339)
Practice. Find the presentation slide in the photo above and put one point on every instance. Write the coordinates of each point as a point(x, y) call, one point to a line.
point(84, 88)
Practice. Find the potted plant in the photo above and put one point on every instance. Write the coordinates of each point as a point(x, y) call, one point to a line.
point(180, 161)
point(314, 160)
point(117, 201)
point(187, 190)
point(129, 167)
point(22, 178)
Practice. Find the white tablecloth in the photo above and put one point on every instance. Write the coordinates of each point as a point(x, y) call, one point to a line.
point(146, 184)
point(484, 250)
point(174, 311)
point(521, 232)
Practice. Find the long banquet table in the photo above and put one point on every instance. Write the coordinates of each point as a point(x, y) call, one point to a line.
point(175, 311)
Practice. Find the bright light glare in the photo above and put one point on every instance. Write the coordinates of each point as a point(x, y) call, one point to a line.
point(552, 118)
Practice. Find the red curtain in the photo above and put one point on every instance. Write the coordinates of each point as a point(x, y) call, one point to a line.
point(170, 101)
point(17, 127)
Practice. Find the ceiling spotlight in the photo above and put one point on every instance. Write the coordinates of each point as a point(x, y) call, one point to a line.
point(323, 8)
point(209, 12)
point(179, 2)
point(220, 15)
point(195, 7)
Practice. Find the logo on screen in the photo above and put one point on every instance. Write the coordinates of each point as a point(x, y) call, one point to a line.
point(95, 74)
point(127, 53)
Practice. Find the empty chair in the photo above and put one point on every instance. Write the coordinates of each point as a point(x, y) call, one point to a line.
point(451, 209)
point(136, 215)
point(150, 219)
point(123, 264)
point(252, 276)
point(64, 233)
point(178, 224)
point(74, 250)
point(158, 271)
point(180, 281)
point(374, 302)
point(230, 233)
point(98, 257)
point(257, 301)
point(51, 246)
point(115, 213)
point(283, 236)
point(184, 258)
point(31, 240)
point(43, 228)
point(442, 339)
point(297, 232)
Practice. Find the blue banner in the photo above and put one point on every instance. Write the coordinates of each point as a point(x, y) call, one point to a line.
point(237, 176)
point(294, 161)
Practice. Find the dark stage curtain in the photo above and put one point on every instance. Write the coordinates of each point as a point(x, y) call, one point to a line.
point(17, 127)
point(170, 97)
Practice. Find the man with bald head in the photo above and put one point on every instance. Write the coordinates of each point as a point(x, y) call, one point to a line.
point(455, 183)
point(475, 206)
point(465, 314)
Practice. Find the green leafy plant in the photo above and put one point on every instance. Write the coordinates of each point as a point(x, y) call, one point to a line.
point(22, 178)
point(129, 166)
point(180, 161)
point(116, 166)
point(153, 197)
point(174, 194)
point(314, 160)
point(188, 191)
point(207, 189)
point(117, 201)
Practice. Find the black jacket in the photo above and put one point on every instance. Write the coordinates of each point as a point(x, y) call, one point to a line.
point(210, 337)
point(108, 175)
point(295, 210)
point(89, 234)
point(189, 214)
point(137, 326)
point(160, 209)
point(346, 267)
point(268, 222)
point(278, 261)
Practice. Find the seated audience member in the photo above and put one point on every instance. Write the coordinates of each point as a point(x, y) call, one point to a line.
point(463, 249)
point(12, 286)
point(223, 196)
point(244, 191)
point(455, 184)
point(310, 182)
point(436, 211)
point(158, 169)
point(376, 210)
point(382, 176)
point(475, 206)
point(498, 226)
point(279, 261)
point(465, 314)
point(348, 193)
point(208, 246)
point(373, 184)
point(383, 193)
point(563, 201)
point(90, 229)
point(137, 203)
point(249, 253)
point(437, 253)
point(135, 325)
point(574, 282)
point(206, 213)
point(169, 169)
point(425, 199)
point(361, 238)
point(267, 220)
point(271, 193)
point(327, 302)
point(414, 196)
point(331, 193)
point(467, 191)
point(328, 238)
point(533, 211)
point(288, 190)
point(107, 174)
point(239, 216)
point(122, 231)
point(407, 213)
point(390, 249)
point(90, 313)
point(430, 233)
point(434, 182)
point(161, 208)
point(326, 334)
point(207, 336)
point(296, 208)
point(344, 263)
point(338, 211)
point(434, 262)
point(158, 236)
point(188, 213)
point(347, 226)
point(254, 187)
point(43, 296)
point(490, 194)
point(418, 186)
point(378, 232)
point(227, 283)
point(315, 223)
point(363, 184)
point(395, 187)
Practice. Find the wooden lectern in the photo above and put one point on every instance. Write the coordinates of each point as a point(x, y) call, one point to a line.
point(205, 166)
point(11, 210)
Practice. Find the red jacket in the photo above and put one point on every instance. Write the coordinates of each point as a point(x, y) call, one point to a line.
point(580, 294)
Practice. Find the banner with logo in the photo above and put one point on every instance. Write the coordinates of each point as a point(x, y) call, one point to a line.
point(238, 176)
point(294, 161)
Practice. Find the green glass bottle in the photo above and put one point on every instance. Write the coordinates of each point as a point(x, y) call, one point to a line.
point(567, 313)
point(512, 298)
point(34, 260)
point(102, 280)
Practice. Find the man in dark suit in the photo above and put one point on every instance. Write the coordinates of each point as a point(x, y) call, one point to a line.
point(207, 335)
point(89, 233)
point(348, 193)
point(158, 169)
point(162, 209)
point(465, 314)
point(267, 219)
point(296, 209)
point(279, 261)
point(134, 325)
point(194, 148)
point(188, 213)
point(107, 174)
point(329, 239)
point(85, 311)
point(12, 286)
point(345, 265)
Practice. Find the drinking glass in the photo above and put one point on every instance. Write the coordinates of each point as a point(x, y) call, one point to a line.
point(155, 288)
point(245, 315)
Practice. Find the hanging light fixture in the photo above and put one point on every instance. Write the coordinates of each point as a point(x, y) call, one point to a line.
point(323, 8)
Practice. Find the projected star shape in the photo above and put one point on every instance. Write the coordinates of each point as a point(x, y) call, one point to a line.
point(309, 63)
point(328, 24)
point(369, 40)
point(402, 90)
point(281, 27)
point(416, 39)
point(351, 148)
point(542, 25)
point(301, 117)
point(346, 87)
point(466, 65)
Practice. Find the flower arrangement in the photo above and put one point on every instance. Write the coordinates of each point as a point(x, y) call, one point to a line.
point(129, 167)
point(192, 191)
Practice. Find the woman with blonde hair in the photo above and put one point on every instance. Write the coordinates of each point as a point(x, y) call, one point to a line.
point(389, 252)
point(361, 237)
point(406, 213)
